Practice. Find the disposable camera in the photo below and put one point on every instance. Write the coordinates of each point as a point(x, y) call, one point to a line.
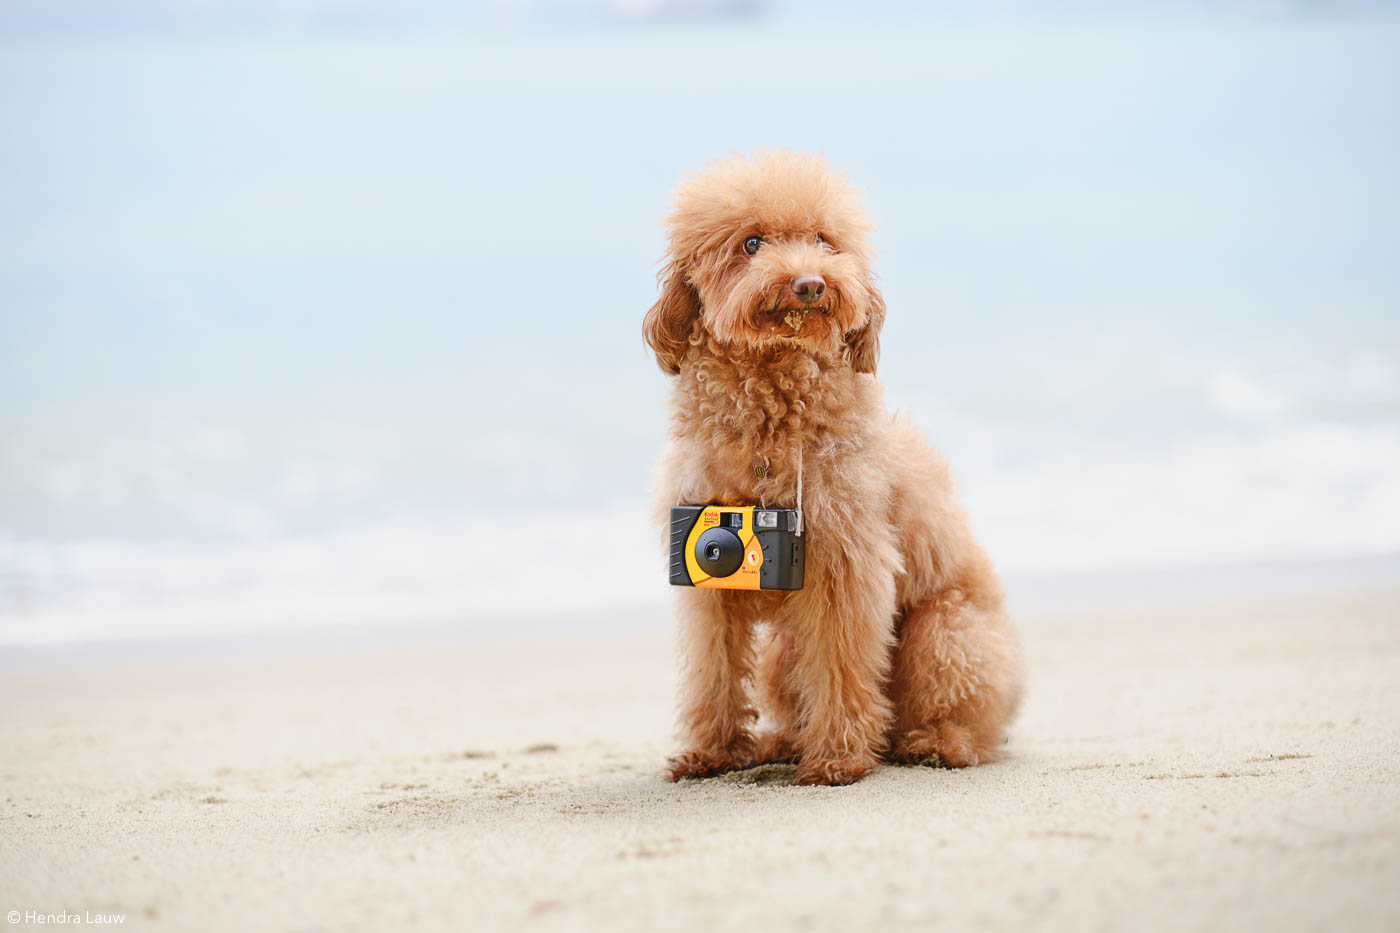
point(736, 547)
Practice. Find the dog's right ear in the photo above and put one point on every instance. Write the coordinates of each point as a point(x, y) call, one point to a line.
point(668, 324)
point(864, 344)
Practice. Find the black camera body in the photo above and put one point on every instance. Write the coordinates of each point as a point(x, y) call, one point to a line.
point(736, 547)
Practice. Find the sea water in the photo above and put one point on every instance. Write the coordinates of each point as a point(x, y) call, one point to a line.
point(309, 327)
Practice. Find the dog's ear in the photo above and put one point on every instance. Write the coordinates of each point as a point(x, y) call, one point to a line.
point(668, 325)
point(864, 343)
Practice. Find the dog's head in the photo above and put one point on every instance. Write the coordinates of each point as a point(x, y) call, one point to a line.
point(767, 251)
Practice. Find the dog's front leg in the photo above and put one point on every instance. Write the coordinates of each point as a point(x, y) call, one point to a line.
point(842, 630)
point(716, 712)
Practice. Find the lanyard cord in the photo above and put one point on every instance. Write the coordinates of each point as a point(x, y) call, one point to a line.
point(800, 522)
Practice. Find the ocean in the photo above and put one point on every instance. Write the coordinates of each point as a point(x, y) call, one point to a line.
point(307, 328)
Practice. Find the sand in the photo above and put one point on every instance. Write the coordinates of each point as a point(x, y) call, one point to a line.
point(1231, 767)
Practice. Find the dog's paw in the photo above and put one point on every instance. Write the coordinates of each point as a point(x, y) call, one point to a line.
point(832, 773)
point(703, 764)
point(773, 748)
point(948, 746)
point(911, 758)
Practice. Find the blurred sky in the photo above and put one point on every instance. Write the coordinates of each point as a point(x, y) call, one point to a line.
point(322, 312)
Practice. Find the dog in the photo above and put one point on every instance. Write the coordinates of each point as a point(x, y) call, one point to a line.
point(897, 649)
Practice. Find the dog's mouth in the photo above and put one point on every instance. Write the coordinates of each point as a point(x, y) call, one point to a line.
point(789, 320)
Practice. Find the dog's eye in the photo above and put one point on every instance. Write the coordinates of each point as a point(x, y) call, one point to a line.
point(752, 244)
point(820, 238)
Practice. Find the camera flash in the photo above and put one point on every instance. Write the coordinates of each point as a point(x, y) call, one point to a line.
point(766, 519)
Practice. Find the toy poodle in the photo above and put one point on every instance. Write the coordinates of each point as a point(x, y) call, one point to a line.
point(897, 648)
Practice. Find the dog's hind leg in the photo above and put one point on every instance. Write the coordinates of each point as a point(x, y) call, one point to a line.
point(779, 698)
point(716, 712)
point(956, 684)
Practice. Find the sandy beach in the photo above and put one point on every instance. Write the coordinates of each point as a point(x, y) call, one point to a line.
point(1229, 767)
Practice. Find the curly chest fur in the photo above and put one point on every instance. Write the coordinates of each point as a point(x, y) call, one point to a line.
point(743, 419)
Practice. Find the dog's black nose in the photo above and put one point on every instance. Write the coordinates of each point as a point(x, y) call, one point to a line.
point(808, 288)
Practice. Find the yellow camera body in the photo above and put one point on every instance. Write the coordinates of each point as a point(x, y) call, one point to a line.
point(736, 547)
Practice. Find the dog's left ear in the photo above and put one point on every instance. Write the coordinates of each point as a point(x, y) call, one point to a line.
point(864, 343)
point(668, 324)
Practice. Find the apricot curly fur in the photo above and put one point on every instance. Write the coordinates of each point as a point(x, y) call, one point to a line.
point(898, 648)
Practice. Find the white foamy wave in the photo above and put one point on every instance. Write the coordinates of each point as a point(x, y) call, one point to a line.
point(1318, 490)
point(404, 570)
point(1303, 491)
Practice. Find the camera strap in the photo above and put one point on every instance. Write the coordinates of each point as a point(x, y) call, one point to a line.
point(761, 470)
point(800, 520)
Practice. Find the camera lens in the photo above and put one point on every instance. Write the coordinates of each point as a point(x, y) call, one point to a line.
point(719, 552)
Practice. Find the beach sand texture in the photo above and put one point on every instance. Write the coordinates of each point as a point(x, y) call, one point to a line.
point(1231, 767)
